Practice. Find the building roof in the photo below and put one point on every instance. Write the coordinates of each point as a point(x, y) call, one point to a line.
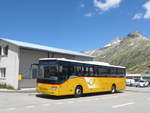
point(84, 62)
point(44, 48)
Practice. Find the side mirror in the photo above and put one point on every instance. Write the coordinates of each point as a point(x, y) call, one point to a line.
point(72, 76)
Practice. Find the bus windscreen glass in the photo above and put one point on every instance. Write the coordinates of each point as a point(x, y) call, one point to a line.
point(50, 71)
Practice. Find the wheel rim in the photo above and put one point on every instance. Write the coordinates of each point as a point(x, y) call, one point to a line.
point(113, 89)
point(78, 91)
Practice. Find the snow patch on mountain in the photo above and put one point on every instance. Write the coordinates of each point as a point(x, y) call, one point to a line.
point(114, 42)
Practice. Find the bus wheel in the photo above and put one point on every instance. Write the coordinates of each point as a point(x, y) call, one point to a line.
point(78, 91)
point(113, 89)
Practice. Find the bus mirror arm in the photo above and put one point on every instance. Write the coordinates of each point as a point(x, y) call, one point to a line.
point(72, 76)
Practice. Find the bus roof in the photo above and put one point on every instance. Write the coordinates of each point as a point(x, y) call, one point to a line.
point(84, 62)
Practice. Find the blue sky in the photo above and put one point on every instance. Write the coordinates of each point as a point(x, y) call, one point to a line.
point(73, 24)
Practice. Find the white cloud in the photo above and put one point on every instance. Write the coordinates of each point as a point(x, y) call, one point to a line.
point(147, 7)
point(138, 16)
point(146, 15)
point(108, 4)
point(88, 14)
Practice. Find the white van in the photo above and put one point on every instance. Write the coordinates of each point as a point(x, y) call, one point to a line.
point(130, 82)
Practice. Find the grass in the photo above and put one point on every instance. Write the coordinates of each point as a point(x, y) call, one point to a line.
point(6, 86)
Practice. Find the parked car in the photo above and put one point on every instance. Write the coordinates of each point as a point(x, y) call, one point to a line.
point(142, 83)
point(130, 82)
point(149, 84)
point(135, 83)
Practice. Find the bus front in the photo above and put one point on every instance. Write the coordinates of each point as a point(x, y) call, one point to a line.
point(49, 78)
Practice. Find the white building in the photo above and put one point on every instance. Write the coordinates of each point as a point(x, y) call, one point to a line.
point(16, 58)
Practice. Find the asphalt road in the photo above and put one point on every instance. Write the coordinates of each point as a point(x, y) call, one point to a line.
point(131, 100)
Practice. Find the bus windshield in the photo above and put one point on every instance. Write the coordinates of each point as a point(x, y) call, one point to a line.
point(48, 71)
point(51, 72)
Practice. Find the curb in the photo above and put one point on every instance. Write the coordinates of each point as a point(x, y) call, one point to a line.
point(24, 90)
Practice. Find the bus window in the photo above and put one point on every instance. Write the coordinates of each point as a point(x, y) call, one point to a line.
point(86, 71)
point(82, 71)
point(121, 72)
point(48, 71)
point(95, 69)
point(103, 71)
point(79, 68)
point(64, 69)
point(91, 72)
point(113, 72)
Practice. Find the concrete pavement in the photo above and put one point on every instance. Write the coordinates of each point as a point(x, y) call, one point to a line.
point(132, 100)
point(23, 90)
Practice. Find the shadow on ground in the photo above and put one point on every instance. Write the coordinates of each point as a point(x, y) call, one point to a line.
point(71, 96)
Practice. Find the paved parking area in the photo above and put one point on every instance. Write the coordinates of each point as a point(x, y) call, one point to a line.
point(131, 100)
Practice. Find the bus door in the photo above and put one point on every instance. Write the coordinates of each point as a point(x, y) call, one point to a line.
point(67, 85)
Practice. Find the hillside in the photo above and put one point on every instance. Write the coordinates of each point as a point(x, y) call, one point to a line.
point(132, 51)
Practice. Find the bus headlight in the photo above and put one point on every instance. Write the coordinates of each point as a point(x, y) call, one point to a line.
point(53, 88)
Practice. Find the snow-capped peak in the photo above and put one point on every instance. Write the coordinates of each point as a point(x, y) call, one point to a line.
point(114, 42)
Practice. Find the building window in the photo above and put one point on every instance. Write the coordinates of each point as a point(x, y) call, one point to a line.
point(2, 72)
point(4, 50)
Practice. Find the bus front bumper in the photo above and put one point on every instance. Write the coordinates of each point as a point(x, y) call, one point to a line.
point(48, 89)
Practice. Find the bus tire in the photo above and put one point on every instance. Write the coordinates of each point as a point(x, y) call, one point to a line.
point(78, 91)
point(113, 89)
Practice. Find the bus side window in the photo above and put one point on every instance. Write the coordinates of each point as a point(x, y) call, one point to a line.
point(78, 70)
point(60, 68)
point(91, 72)
point(103, 71)
point(82, 71)
point(122, 72)
point(71, 70)
point(86, 69)
point(95, 69)
point(113, 72)
point(118, 72)
point(64, 70)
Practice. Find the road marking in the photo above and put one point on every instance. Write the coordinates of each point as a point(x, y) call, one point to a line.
point(83, 100)
point(59, 103)
point(70, 102)
point(122, 105)
point(93, 99)
point(32, 106)
point(90, 99)
point(11, 109)
point(46, 104)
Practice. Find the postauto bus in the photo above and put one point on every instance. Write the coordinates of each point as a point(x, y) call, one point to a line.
point(59, 76)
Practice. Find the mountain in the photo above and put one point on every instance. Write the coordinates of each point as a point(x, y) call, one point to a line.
point(132, 51)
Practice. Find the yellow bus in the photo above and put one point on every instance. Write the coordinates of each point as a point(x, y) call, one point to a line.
point(59, 76)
